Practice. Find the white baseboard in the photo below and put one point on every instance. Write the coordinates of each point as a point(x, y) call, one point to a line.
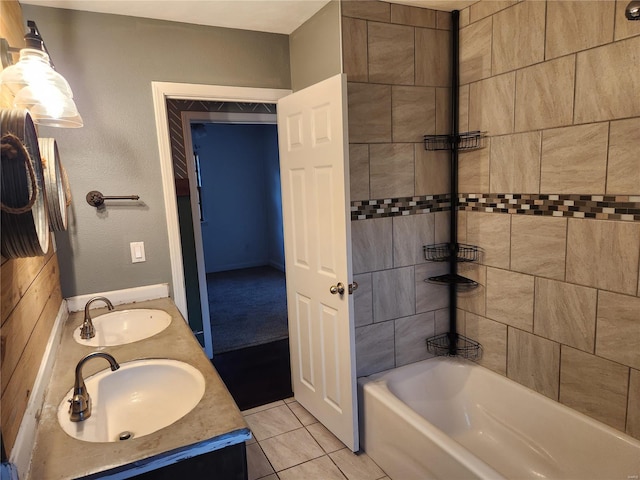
point(120, 297)
point(23, 447)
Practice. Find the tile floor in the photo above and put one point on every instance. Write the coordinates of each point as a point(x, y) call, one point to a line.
point(290, 444)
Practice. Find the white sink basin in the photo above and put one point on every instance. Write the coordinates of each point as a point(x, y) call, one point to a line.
point(140, 398)
point(125, 326)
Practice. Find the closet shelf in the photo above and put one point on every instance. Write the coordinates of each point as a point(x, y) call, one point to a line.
point(460, 282)
point(441, 252)
point(464, 141)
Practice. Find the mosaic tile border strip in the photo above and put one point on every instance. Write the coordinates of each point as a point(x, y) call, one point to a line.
point(599, 207)
point(395, 207)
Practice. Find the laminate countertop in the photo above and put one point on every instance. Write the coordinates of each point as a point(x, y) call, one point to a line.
point(214, 423)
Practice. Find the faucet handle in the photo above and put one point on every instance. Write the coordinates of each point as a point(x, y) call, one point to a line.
point(87, 330)
point(79, 408)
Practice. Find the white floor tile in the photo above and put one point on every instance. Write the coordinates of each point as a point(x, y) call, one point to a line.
point(320, 468)
point(267, 406)
point(272, 422)
point(290, 449)
point(356, 467)
point(257, 463)
point(325, 438)
point(303, 415)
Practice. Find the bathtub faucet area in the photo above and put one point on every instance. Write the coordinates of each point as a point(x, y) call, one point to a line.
point(80, 408)
point(87, 330)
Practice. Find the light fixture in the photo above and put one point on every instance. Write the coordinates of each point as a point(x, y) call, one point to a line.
point(36, 86)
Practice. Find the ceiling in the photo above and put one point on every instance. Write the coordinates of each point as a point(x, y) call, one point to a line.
point(276, 16)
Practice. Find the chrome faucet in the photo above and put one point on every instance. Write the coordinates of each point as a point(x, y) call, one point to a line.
point(80, 408)
point(87, 329)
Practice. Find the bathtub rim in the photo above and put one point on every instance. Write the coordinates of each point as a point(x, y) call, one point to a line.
point(377, 387)
point(380, 378)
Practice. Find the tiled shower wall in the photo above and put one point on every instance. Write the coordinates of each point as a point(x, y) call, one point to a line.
point(397, 63)
point(553, 200)
point(556, 86)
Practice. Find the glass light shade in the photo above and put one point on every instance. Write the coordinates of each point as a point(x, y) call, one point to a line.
point(48, 106)
point(33, 69)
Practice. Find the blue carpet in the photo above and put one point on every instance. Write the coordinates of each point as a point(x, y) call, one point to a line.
point(247, 307)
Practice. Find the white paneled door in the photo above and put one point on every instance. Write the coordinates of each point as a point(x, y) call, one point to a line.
point(312, 135)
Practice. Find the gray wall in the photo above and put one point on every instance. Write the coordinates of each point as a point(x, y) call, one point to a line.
point(110, 62)
point(315, 48)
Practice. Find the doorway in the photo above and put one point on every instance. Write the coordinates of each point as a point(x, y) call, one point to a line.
point(236, 215)
point(240, 213)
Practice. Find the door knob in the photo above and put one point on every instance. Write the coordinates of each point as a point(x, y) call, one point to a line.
point(339, 288)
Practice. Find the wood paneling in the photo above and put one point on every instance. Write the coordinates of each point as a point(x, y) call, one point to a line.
point(21, 323)
point(12, 28)
point(16, 396)
point(30, 296)
point(20, 274)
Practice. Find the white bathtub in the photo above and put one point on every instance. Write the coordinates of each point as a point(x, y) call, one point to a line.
point(448, 419)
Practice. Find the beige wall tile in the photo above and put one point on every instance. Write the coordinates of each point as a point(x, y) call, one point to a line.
point(430, 296)
point(393, 294)
point(442, 320)
point(618, 331)
point(442, 226)
point(533, 362)
point(473, 170)
point(367, 9)
point(391, 53)
point(369, 113)
point(488, 7)
point(574, 159)
point(510, 298)
point(610, 72)
point(545, 95)
point(515, 163)
point(392, 170)
point(594, 386)
point(603, 254)
point(363, 300)
point(475, 51)
point(410, 335)
point(538, 245)
point(410, 234)
point(372, 244)
point(443, 20)
point(418, 17)
point(518, 36)
point(375, 349)
point(566, 313)
point(493, 338)
point(463, 117)
point(432, 171)
point(465, 17)
point(461, 224)
point(490, 232)
point(433, 57)
point(354, 46)
point(413, 113)
point(359, 171)
point(473, 300)
point(633, 406)
point(623, 168)
point(491, 104)
point(575, 26)
point(624, 28)
point(443, 111)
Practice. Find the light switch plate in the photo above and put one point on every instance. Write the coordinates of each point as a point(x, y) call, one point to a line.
point(137, 252)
